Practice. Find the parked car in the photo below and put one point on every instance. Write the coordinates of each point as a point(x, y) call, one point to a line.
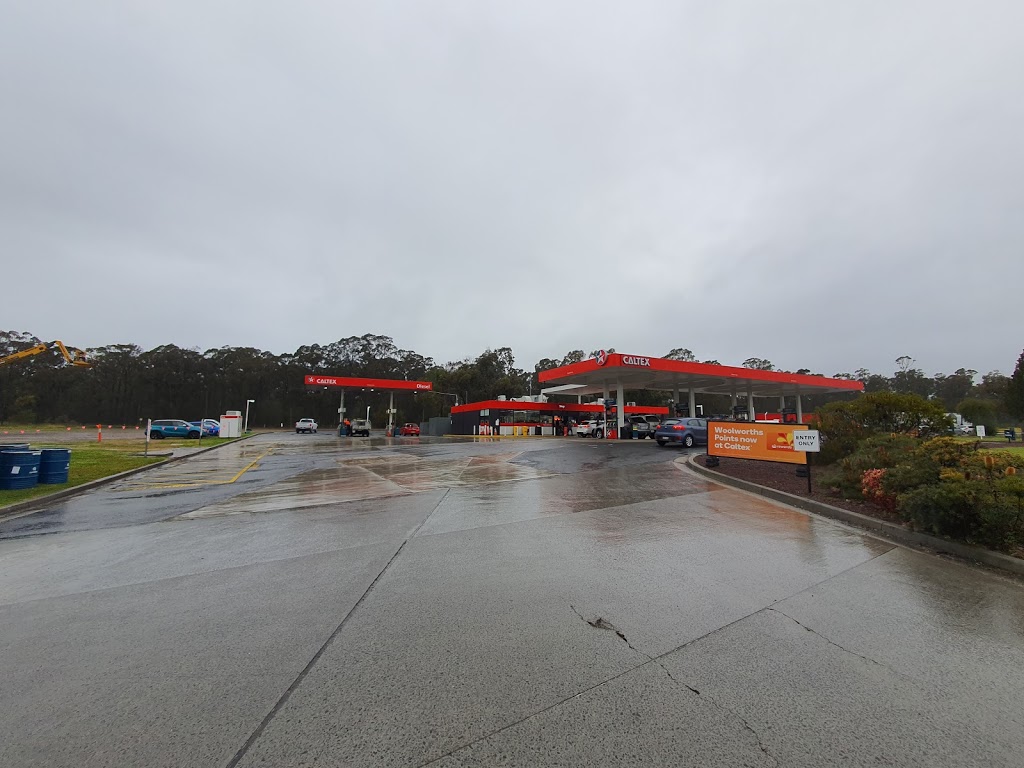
point(590, 429)
point(409, 429)
point(641, 426)
point(361, 427)
point(162, 428)
point(306, 425)
point(211, 427)
point(687, 432)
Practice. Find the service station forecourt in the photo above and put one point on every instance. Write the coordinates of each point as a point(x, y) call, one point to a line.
point(354, 382)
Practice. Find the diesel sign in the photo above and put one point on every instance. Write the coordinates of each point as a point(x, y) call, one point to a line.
point(643, 362)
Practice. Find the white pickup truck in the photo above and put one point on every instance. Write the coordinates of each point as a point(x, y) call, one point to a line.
point(305, 425)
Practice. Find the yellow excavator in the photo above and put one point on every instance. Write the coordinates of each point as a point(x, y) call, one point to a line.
point(71, 355)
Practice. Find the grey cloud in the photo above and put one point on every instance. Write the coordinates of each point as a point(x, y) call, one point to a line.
point(824, 185)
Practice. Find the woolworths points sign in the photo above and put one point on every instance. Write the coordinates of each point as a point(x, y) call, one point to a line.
point(762, 442)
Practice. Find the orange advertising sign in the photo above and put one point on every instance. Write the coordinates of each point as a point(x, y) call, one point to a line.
point(753, 440)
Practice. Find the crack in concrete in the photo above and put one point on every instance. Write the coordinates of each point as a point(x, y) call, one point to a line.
point(743, 722)
point(601, 623)
point(829, 641)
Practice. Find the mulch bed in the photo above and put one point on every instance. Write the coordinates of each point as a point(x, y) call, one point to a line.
point(782, 477)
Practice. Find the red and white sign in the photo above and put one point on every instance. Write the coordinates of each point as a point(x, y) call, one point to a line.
point(360, 383)
point(601, 357)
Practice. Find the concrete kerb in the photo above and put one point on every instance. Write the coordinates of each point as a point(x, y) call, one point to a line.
point(41, 502)
point(891, 531)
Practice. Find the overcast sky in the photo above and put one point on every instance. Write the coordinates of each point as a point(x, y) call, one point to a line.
point(824, 184)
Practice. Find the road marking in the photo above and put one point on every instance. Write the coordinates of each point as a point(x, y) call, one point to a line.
point(157, 485)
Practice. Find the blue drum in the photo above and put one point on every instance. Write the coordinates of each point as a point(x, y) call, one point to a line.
point(54, 466)
point(19, 469)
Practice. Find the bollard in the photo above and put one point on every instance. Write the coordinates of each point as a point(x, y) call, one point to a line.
point(99, 433)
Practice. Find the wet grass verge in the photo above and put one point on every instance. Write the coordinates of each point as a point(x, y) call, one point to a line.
point(88, 463)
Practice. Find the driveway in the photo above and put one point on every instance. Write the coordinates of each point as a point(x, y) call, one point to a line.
point(487, 602)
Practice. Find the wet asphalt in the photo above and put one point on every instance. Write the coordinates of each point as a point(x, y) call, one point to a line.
point(300, 600)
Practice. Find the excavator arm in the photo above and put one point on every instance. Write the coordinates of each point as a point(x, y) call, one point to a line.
point(37, 349)
point(71, 355)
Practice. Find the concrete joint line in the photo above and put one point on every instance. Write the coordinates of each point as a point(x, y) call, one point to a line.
point(255, 735)
point(601, 624)
point(649, 660)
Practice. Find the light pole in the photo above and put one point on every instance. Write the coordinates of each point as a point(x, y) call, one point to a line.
point(450, 394)
point(246, 427)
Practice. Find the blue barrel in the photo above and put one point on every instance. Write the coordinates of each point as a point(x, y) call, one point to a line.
point(19, 469)
point(54, 465)
point(14, 446)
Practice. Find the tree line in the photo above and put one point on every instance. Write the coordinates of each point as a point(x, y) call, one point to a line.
point(127, 385)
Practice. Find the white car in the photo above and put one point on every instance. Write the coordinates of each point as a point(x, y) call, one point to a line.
point(590, 429)
point(305, 425)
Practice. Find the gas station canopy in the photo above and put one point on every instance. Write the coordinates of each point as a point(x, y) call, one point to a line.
point(611, 371)
point(400, 385)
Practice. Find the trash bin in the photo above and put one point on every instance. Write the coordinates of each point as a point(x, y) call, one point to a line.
point(1010, 435)
point(626, 431)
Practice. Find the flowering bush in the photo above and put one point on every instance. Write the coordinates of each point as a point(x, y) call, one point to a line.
point(872, 488)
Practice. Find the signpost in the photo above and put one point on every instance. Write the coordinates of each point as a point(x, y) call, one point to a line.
point(808, 441)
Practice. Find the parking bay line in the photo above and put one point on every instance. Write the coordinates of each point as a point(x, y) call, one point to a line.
point(200, 483)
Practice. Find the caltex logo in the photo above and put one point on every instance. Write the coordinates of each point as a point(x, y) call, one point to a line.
point(601, 357)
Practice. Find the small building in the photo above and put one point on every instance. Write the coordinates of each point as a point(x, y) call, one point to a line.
point(538, 417)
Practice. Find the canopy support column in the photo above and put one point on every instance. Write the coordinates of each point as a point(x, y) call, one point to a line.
point(799, 409)
point(620, 406)
point(750, 406)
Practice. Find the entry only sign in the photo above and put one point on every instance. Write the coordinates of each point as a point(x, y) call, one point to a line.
point(758, 441)
point(808, 440)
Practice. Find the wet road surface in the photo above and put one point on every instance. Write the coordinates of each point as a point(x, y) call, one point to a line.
point(310, 600)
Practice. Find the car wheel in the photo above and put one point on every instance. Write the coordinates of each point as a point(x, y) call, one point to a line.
point(599, 434)
point(661, 443)
point(314, 431)
point(193, 435)
point(688, 441)
point(157, 435)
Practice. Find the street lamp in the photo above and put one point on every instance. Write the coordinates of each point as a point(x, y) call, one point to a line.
point(246, 427)
point(450, 394)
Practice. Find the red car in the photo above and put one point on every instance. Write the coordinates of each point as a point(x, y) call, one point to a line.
point(410, 429)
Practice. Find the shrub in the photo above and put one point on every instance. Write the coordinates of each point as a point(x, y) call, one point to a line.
point(947, 452)
point(915, 470)
point(844, 425)
point(871, 485)
point(946, 509)
point(879, 452)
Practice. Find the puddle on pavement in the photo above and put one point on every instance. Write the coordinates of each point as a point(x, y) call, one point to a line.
point(371, 477)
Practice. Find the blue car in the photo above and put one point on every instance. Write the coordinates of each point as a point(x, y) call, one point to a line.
point(162, 428)
point(211, 427)
point(682, 431)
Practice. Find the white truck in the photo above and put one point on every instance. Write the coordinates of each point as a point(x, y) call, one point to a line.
point(305, 425)
point(361, 427)
point(960, 425)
